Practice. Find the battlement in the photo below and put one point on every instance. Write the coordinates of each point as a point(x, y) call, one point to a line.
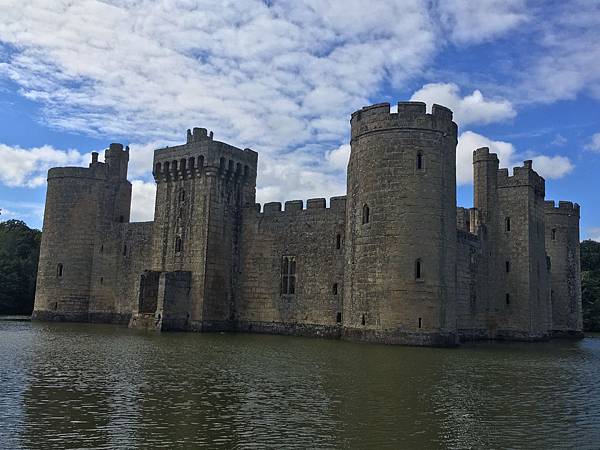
point(336, 204)
point(564, 208)
point(201, 155)
point(483, 154)
point(522, 176)
point(198, 134)
point(410, 115)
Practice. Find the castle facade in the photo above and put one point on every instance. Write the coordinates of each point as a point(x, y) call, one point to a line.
point(394, 261)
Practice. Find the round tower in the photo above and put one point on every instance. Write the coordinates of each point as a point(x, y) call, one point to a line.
point(79, 202)
point(401, 226)
point(562, 247)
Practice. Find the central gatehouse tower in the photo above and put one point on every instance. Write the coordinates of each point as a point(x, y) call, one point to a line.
point(401, 225)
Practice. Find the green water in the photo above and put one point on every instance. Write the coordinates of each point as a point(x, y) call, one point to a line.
point(94, 386)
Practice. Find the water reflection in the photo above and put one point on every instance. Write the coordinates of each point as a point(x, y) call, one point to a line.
point(81, 386)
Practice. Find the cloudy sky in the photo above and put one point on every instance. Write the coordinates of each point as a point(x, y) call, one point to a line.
point(283, 77)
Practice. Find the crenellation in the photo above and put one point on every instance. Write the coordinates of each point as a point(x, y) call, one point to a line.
point(393, 261)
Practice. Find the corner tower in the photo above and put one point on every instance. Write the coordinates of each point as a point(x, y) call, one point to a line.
point(401, 226)
point(562, 245)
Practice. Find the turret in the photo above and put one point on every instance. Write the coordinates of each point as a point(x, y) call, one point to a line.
point(401, 225)
point(80, 203)
point(562, 246)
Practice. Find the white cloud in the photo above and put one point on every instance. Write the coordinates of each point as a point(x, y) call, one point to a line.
point(472, 108)
point(29, 167)
point(594, 144)
point(143, 195)
point(552, 167)
point(30, 212)
point(468, 142)
point(477, 21)
point(339, 157)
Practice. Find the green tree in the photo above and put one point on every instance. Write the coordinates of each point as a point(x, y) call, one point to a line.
point(590, 284)
point(19, 252)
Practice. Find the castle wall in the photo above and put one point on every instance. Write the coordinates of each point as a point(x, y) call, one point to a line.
point(562, 244)
point(311, 236)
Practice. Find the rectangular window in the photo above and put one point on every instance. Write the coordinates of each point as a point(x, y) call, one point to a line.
point(508, 224)
point(288, 275)
point(553, 234)
point(507, 266)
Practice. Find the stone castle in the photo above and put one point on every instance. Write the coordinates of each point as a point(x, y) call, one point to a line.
point(394, 261)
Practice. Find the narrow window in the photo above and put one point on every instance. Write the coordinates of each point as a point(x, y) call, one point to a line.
point(338, 241)
point(101, 280)
point(507, 299)
point(178, 244)
point(553, 234)
point(338, 318)
point(418, 269)
point(59, 270)
point(365, 218)
point(102, 248)
point(420, 322)
point(121, 219)
point(548, 264)
point(181, 195)
point(419, 161)
point(363, 320)
point(508, 224)
point(335, 289)
point(125, 250)
point(288, 275)
point(507, 266)
point(55, 306)
point(468, 225)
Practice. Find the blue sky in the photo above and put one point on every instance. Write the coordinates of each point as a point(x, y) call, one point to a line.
point(283, 77)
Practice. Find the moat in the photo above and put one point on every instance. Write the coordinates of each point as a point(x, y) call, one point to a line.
point(99, 386)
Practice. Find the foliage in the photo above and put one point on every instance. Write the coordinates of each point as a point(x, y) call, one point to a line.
point(590, 284)
point(19, 252)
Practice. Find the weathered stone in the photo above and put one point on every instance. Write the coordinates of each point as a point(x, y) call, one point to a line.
point(395, 261)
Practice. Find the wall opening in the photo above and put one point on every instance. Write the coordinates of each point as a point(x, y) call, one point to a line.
point(59, 270)
point(418, 269)
point(507, 299)
point(121, 219)
point(181, 195)
point(101, 280)
point(468, 225)
point(365, 216)
point(335, 289)
point(55, 306)
point(338, 241)
point(125, 250)
point(507, 224)
point(420, 322)
point(102, 248)
point(178, 244)
point(338, 318)
point(288, 275)
point(419, 161)
point(553, 234)
point(363, 320)
point(507, 266)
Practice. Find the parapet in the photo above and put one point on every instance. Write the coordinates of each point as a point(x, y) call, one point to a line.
point(563, 208)
point(336, 204)
point(410, 115)
point(483, 154)
point(522, 176)
point(198, 134)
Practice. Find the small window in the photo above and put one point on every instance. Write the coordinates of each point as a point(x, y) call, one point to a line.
point(55, 306)
point(102, 248)
point(548, 263)
point(507, 224)
point(420, 322)
point(468, 225)
point(101, 280)
point(288, 275)
point(121, 219)
point(363, 320)
point(338, 318)
point(507, 266)
point(418, 269)
point(338, 241)
point(178, 244)
point(59, 270)
point(365, 217)
point(181, 195)
point(553, 234)
point(419, 161)
point(507, 299)
point(334, 290)
point(125, 250)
